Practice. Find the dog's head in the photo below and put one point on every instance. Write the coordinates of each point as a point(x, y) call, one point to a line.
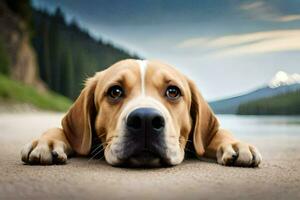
point(144, 112)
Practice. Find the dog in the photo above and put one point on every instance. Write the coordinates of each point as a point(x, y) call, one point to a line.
point(143, 113)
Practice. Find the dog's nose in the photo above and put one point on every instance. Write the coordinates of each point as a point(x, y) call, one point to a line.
point(146, 120)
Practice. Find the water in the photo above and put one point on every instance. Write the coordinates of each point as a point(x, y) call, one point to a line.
point(263, 126)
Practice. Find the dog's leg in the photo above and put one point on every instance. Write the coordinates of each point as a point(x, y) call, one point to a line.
point(231, 152)
point(51, 148)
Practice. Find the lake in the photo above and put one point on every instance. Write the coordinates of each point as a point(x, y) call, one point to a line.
point(269, 126)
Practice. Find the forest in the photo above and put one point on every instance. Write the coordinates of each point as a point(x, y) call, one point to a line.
point(284, 104)
point(67, 54)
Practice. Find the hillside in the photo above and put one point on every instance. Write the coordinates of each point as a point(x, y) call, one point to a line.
point(231, 105)
point(41, 55)
point(17, 57)
point(67, 54)
point(20, 85)
point(12, 91)
point(284, 104)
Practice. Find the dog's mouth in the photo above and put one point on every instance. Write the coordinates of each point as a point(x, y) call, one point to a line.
point(145, 158)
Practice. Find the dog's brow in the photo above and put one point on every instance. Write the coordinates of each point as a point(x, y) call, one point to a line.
point(143, 67)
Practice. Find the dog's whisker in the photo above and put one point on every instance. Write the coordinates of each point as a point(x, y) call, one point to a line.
point(101, 157)
point(96, 154)
point(96, 148)
point(186, 140)
point(99, 143)
point(99, 136)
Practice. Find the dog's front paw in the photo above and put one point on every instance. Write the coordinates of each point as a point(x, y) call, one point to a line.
point(238, 154)
point(44, 152)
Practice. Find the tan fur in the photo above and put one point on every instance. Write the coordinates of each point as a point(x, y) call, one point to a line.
point(91, 114)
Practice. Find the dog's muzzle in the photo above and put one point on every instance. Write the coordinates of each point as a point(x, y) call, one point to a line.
point(145, 129)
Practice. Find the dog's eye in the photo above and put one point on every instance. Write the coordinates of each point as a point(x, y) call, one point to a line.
point(173, 93)
point(115, 92)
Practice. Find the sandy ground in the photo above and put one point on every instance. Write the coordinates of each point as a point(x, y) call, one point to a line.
point(277, 178)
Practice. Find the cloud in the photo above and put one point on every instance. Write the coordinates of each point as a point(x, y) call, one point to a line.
point(252, 5)
point(244, 44)
point(262, 10)
point(288, 18)
point(193, 42)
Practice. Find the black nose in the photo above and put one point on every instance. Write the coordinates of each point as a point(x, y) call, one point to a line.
point(146, 120)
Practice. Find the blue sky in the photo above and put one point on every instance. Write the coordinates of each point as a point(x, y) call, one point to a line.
point(228, 47)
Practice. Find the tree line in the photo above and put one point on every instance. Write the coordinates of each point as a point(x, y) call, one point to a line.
point(67, 54)
point(284, 104)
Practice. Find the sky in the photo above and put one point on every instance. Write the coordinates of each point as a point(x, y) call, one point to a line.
point(227, 47)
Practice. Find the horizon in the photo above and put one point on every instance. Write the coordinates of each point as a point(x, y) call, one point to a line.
point(248, 37)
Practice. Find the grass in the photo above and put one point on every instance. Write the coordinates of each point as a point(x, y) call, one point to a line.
point(14, 91)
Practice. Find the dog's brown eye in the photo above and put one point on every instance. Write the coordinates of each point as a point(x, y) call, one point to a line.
point(115, 92)
point(173, 93)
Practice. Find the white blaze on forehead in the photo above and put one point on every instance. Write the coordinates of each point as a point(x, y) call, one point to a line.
point(143, 67)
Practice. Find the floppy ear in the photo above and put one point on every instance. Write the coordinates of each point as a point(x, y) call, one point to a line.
point(78, 123)
point(204, 123)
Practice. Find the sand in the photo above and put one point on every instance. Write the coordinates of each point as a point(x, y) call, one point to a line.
point(278, 177)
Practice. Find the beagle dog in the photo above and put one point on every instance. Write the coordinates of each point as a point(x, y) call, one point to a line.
point(143, 113)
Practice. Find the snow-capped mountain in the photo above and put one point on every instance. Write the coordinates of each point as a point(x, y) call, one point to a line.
point(281, 83)
point(282, 78)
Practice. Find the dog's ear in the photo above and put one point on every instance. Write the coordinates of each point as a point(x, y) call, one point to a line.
point(78, 123)
point(204, 123)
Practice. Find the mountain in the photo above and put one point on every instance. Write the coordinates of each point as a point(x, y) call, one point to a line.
point(281, 83)
point(283, 104)
point(282, 78)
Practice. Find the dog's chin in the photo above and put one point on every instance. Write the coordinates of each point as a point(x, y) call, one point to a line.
point(145, 159)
